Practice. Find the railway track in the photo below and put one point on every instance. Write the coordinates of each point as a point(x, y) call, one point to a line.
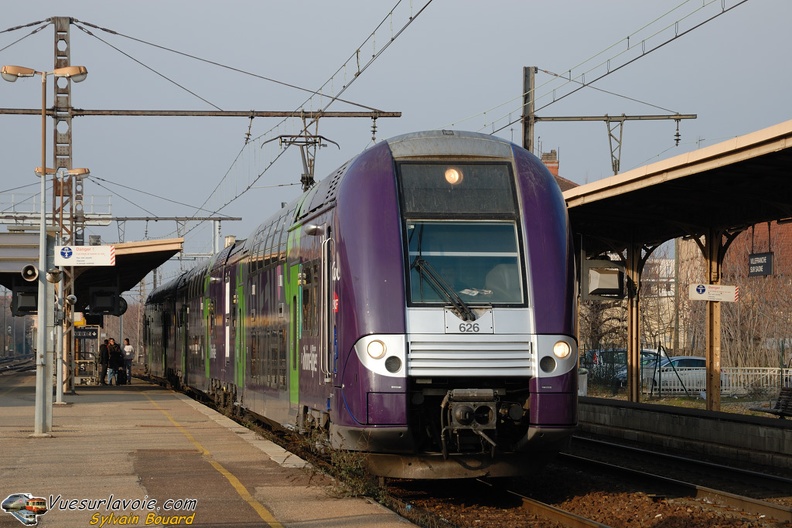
point(756, 492)
point(579, 489)
point(582, 492)
point(552, 514)
point(757, 483)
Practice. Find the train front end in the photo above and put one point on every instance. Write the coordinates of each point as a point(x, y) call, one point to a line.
point(464, 359)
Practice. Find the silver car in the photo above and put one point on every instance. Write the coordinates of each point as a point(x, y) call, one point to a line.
point(683, 374)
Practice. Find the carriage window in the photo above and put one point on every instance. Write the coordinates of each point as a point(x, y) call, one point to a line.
point(309, 279)
point(478, 261)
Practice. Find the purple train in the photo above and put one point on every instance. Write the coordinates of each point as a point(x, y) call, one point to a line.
point(417, 305)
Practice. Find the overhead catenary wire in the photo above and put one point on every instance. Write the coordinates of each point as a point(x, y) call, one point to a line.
point(96, 179)
point(215, 63)
point(627, 44)
point(44, 24)
point(83, 26)
point(643, 54)
point(141, 63)
point(357, 56)
point(333, 99)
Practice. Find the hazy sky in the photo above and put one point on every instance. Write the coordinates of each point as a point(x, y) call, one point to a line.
point(458, 65)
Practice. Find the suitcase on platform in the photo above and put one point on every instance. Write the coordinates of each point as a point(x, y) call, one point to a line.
point(121, 377)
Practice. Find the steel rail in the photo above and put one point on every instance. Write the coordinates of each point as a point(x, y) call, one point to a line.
point(551, 513)
point(714, 496)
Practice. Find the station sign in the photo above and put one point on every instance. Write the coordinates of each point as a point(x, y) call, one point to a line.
point(760, 264)
point(713, 292)
point(85, 255)
point(86, 333)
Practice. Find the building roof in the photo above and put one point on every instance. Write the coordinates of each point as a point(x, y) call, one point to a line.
point(727, 186)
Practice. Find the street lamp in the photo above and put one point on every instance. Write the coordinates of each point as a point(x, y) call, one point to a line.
point(43, 418)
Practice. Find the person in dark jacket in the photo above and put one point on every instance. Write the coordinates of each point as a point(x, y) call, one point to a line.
point(116, 360)
point(104, 360)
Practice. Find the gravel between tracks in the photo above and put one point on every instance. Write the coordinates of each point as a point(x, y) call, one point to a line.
point(601, 498)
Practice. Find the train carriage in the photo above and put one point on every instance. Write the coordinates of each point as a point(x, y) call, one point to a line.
point(417, 305)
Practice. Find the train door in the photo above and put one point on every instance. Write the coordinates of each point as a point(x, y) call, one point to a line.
point(184, 343)
point(166, 333)
point(240, 333)
point(328, 307)
point(208, 337)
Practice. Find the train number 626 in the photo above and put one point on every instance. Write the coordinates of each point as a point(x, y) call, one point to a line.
point(469, 328)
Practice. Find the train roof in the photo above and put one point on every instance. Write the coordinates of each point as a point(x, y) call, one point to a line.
point(449, 143)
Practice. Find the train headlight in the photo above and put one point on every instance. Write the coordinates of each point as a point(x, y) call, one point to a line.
point(453, 175)
point(376, 349)
point(561, 349)
point(383, 354)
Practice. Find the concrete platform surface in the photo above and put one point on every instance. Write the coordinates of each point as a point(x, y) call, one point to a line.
point(142, 455)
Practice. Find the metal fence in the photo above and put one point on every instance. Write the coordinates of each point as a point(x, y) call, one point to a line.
point(735, 381)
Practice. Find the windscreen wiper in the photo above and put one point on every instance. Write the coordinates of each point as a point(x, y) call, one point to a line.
point(443, 288)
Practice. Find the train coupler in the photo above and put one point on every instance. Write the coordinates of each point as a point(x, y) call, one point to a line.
point(473, 410)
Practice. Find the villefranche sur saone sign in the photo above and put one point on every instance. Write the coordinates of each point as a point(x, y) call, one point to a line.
point(760, 264)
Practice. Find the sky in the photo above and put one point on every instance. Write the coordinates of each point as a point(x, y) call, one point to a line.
point(443, 64)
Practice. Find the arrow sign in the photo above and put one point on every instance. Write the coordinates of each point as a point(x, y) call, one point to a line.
point(713, 292)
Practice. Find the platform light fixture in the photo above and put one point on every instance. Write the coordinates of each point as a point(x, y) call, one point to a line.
point(10, 73)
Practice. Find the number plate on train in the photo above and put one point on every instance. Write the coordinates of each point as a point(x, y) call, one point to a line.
point(482, 324)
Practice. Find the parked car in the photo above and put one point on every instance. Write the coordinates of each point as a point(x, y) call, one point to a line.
point(611, 364)
point(650, 362)
point(683, 374)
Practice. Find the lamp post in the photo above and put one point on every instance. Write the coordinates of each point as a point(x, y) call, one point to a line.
point(43, 413)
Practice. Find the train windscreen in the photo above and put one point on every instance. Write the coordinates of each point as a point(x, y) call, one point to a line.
point(462, 234)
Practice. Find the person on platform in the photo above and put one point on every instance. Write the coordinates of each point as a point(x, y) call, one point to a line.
point(104, 360)
point(129, 355)
point(116, 360)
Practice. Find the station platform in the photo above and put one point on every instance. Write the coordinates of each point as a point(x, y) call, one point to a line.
point(143, 455)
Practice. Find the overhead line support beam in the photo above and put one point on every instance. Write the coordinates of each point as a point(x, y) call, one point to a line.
point(78, 112)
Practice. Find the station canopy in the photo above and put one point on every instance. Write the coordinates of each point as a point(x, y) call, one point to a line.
point(133, 261)
point(728, 186)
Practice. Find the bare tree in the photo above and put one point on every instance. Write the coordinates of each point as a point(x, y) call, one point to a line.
point(657, 299)
point(757, 326)
point(756, 330)
point(603, 324)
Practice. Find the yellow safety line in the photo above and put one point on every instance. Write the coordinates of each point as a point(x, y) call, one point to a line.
point(263, 512)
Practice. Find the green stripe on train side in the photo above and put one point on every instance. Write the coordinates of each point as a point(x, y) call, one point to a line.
point(294, 301)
